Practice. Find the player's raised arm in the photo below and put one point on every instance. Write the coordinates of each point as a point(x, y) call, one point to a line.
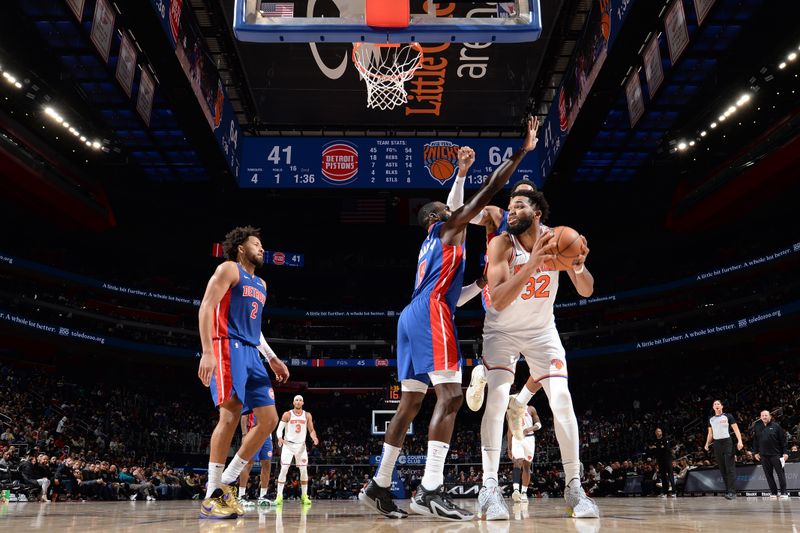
point(225, 276)
point(466, 157)
point(451, 232)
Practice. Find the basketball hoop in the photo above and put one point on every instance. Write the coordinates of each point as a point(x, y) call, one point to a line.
point(385, 68)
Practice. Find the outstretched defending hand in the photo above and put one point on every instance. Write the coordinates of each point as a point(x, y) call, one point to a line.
point(466, 156)
point(530, 137)
point(280, 369)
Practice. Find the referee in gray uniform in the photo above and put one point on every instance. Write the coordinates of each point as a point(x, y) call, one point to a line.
point(719, 431)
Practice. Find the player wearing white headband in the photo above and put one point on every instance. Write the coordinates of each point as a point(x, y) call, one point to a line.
point(293, 428)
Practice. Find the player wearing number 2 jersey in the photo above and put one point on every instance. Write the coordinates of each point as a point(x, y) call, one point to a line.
point(230, 326)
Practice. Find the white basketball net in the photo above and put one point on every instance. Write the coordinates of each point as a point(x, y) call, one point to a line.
point(385, 68)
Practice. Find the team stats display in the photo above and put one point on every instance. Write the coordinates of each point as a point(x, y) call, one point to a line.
point(379, 163)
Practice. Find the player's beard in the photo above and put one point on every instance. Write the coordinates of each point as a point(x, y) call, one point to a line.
point(444, 217)
point(256, 260)
point(520, 227)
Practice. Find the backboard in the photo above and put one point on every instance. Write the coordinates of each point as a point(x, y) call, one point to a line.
point(462, 22)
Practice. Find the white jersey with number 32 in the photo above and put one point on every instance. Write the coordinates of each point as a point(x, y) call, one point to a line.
point(532, 310)
point(297, 429)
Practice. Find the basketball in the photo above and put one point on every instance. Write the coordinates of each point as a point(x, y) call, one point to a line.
point(442, 169)
point(568, 247)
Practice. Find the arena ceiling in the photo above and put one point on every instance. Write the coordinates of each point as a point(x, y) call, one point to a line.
point(281, 90)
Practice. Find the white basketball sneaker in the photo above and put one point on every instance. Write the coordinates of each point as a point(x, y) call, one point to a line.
point(477, 385)
point(514, 414)
point(491, 504)
point(579, 504)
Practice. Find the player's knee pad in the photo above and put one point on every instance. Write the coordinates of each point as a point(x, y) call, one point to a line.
point(303, 473)
point(282, 475)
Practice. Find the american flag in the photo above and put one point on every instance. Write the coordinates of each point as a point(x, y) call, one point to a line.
point(363, 211)
point(277, 9)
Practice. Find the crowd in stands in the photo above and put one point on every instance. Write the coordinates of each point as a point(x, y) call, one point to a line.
point(98, 439)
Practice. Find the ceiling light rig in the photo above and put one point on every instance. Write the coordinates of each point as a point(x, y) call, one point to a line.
point(58, 119)
point(743, 100)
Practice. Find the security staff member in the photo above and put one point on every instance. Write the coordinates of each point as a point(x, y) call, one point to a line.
point(769, 446)
point(719, 427)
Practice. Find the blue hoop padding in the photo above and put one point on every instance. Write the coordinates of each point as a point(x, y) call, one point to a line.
point(420, 32)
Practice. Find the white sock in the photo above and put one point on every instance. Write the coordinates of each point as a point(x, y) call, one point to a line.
point(516, 486)
point(235, 468)
point(383, 477)
point(434, 465)
point(280, 487)
point(242, 491)
point(214, 475)
point(262, 493)
point(524, 396)
point(524, 489)
point(498, 386)
point(566, 425)
point(304, 488)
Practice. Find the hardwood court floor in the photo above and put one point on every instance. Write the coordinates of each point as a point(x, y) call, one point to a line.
point(754, 515)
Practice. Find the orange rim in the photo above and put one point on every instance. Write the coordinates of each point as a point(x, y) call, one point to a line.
point(363, 70)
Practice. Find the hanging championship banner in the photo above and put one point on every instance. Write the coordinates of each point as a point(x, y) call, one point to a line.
point(76, 6)
point(676, 30)
point(126, 64)
point(144, 102)
point(633, 91)
point(653, 69)
point(702, 7)
point(102, 33)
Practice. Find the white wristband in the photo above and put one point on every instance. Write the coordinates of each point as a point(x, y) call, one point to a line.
point(265, 349)
point(537, 426)
point(580, 270)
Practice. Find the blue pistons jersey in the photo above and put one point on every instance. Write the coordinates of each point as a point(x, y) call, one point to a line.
point(440, 269)
point(238, 314)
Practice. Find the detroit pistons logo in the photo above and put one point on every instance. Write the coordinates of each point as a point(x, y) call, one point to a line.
point(271, 394)
point(339, 162)
point(557, 363)
point(441, 160)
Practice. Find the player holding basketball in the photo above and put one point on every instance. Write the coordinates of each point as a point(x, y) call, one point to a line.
point(427, 349)
point(519, 320)
point(230, 326)
point(522, 451)
point(297, 424)
point(264, 456)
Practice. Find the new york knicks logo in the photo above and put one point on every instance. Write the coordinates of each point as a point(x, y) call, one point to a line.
point(339, 162)
point(557, 363)
point(441, 160)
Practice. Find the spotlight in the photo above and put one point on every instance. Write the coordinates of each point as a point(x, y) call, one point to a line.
point(96, 145)
point(691, 143)
point(722, 118)
point(782, 66)
point(18, 85)
point(792, 56)
point(713, 125)
point(703, 133)
point(65, 124)
point(83, 139)
point(681, 146)
point(731, 110)
point(743, 99)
